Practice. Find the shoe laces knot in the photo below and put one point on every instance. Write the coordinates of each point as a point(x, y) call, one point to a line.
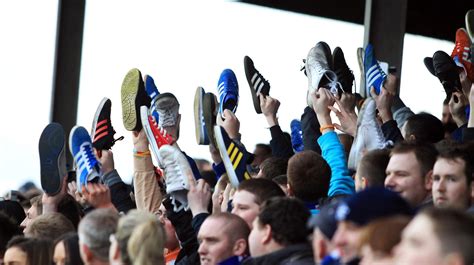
point(333, 85)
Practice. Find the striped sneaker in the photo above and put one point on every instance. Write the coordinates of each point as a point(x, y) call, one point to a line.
point(102, 131)
point(87, 166)
point(199, 122)
point(258, 84)
point(374, 76)
point(52, 144)
point(133, 96)
point(228, 90)
point(462, 53)
point(233, 156)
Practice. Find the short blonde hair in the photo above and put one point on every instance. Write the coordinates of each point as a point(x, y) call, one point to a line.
point(147, 243)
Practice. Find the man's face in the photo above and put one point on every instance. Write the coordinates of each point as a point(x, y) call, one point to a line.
point(30, 216)
point(404, 177)
point(419, 245)
point(256, 239)
point(450, 187)
point(214, 245)
point(171, 239)
point(346, 240)
point(245, 207)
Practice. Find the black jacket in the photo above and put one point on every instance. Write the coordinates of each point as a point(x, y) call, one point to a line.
point(300, 254)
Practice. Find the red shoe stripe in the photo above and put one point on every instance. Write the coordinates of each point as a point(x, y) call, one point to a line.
point(99, 136)
point(101, 129)
point(101, 122)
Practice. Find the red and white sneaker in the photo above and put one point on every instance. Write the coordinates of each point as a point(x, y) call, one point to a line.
point(156, 135)
point(462, 53)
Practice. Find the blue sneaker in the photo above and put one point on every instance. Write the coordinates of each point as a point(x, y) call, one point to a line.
point(374, 76)
point(52, 158)
point(233, 156)
point(296, 136)
point(87, 166)
point(228, 90)
point(152, 92)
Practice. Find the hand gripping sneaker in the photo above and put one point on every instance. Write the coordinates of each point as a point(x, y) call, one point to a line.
point(296, 136)
point(462, 53)
point(374, 76)
point(447, 72)
point(102, 131)
point(369, 135)
point(228, 90)
point(344, 74)
point(318, 70)
point(258, 84)
point(209, 112)
point(157, 136)
point(233, 156)
point(153, 93)
point(87, 166)
point(52, 144)
point(199, 122)
point(133, 96)
point(176, 169)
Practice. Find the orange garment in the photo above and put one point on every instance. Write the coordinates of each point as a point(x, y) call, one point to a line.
point(171, 256)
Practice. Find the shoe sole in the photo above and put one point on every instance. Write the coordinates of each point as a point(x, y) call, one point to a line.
point(470, 24)
point(96, 117)
point(149, 132)
point(52, 158)
point(198, 117)
point(129, 93)
point(229, 168)
point(360, 60)
point(209, 112)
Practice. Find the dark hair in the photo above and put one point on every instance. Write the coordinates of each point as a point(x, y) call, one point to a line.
point(71, 209)
point(14, 210)
point(455, 231)
point(425, 153)
point(274, 166)
point(308, 176)
point(38, 251)
point(464, 153)
point(8, 229)
point(287, 218)
point(210, 177)
point(281, 180)
point(71, 245)
point(425, 127)
point(265, 147)
point(372, 167)
point(262, 189)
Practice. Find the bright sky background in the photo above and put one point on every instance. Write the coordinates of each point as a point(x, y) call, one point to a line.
point(182, 48)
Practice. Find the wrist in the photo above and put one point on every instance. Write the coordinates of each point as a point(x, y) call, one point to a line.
point(272, 120)
point(385, 115)
point(324, 119)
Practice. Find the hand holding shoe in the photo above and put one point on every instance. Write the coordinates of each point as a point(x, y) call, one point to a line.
point(457, 105)
point(270, 108)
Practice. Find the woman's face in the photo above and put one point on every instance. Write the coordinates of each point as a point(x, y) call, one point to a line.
point(15, 256)
point(59, 253)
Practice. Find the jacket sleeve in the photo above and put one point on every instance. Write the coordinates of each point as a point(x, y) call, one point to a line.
point(119, 191)
point(310, 127)
point(332, 151)
point(280, 144)
point(467, 134)
point(147, 191)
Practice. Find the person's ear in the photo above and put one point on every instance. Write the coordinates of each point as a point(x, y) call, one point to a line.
point(267, 234)
point(453, 259)
point(290, 190)
point(323, 250)
point(429, 180)
point(87, 253)
point(116, 255)
point(240, 247)
point(364, 183)
point(472, 191)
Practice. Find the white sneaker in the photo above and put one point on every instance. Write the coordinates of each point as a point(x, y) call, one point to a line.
point(369, 135)
point(176, 170)
point(318, 70)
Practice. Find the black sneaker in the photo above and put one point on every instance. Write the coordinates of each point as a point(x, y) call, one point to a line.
point(209, 111)
point(344, 74)
point(258, 84)
point(428, 61)
point(133, 97)
point(102, 132)
point(447, 72)
point(52, 145)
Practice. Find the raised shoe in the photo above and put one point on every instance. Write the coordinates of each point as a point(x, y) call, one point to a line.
point(257, 83)
point(374, 75)
point(52, 145)
point(199, 122)
point(102, 132)
point(462, 53)
point(228, 91)
point(344, 74)
point(133, 96)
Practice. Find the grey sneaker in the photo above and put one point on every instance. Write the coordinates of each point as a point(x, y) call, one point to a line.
point(318, 69)
point(369, 135)
point(167, 106)
point(176, 170)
